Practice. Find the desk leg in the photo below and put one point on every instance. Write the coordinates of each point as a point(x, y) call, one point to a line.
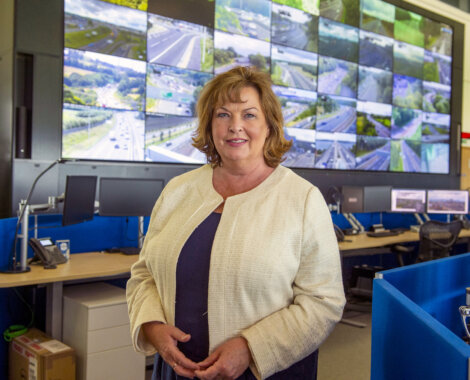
point(54, 310)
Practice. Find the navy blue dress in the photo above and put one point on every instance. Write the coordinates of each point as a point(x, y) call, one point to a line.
point(192, 284)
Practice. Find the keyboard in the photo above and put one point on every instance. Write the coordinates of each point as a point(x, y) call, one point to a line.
point(130, 250)
point(124, 250)
point(383, 233)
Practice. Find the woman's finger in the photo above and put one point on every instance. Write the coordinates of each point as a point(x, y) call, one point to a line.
point(211, 373)
point(179, 335)
point(183, 371)
point(211, 359)
point(180, 359)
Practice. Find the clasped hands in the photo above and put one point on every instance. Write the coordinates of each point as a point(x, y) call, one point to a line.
point(227, 362)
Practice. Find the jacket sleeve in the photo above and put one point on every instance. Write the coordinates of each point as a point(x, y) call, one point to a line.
point(143, 300)
point(290, 334)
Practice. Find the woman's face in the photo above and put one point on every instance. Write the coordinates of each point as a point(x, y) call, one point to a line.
point(240, 130)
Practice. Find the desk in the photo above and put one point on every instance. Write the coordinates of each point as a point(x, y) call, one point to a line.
point(364, 242)
point(361, 245)
point(80, 266)
point(100, 265)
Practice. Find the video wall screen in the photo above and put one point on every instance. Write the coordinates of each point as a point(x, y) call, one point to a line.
point(364, 84)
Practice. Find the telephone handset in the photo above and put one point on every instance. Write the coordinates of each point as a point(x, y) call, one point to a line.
point(46, 252)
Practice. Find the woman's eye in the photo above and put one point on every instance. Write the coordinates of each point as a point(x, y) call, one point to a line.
point(222, 114)
point(249, 116)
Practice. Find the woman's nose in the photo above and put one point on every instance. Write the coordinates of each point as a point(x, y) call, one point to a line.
point(236, 124)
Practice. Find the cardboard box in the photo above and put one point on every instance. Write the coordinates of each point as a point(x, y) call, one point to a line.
point(36, 356)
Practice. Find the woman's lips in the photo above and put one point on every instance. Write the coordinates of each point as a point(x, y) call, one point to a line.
point(236, 142)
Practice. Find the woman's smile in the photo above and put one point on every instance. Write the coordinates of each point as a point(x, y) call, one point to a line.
point(236, 142)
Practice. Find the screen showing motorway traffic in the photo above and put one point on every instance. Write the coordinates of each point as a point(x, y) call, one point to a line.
point(447, 202)
point(364, 84)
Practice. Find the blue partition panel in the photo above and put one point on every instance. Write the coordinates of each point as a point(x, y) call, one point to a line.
point(416, 325)
point(438, 287)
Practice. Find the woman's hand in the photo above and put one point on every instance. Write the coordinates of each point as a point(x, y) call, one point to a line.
point(227, 362)
point(165, 338)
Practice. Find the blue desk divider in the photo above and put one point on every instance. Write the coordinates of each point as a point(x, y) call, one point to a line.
point(416, 325)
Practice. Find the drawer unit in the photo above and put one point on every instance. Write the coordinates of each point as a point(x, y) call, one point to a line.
point(96, 325)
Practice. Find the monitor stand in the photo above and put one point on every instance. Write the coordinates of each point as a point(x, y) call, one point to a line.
point(355, 224)
point(415, 228)
point(464, 220)
point(419, 219)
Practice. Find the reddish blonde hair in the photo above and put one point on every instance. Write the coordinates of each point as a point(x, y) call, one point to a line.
point(225, 88)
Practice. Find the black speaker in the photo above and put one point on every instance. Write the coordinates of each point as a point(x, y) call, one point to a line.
point(23, 132)
point(23, 102)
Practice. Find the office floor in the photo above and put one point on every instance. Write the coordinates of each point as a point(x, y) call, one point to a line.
point(345, 355)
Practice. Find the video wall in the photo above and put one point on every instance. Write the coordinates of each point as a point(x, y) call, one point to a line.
point(364, 84)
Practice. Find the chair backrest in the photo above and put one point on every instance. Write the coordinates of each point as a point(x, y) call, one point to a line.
point(436, 239)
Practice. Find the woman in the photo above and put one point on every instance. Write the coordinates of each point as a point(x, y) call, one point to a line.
point(239, 276)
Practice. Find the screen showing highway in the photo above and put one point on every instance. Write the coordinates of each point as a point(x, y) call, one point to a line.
point(408, 200)
point(447, 202)
point(364, 84)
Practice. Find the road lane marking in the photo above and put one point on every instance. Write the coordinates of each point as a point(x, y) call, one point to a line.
point(187, 54)
point(168, 48)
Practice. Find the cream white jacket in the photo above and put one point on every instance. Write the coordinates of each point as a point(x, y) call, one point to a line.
point(275, 275)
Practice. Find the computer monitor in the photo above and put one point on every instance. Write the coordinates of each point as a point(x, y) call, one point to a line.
point(128, 196)
point(376, 198)
point(353, 199)
point(447, 202)
point(408, 200)
point(79, 202)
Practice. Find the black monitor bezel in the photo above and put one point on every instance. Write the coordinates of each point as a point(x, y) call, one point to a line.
point(68, 201)
point(385, 207)
point(102, 196)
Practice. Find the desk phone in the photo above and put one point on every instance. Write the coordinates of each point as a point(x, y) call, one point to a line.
point(46, 252)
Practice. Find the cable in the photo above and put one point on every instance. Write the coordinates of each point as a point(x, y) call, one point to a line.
point(27, 305)
point(16, 330)
point(127, 231)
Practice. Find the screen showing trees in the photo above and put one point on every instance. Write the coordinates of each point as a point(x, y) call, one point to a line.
point(364, 84)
